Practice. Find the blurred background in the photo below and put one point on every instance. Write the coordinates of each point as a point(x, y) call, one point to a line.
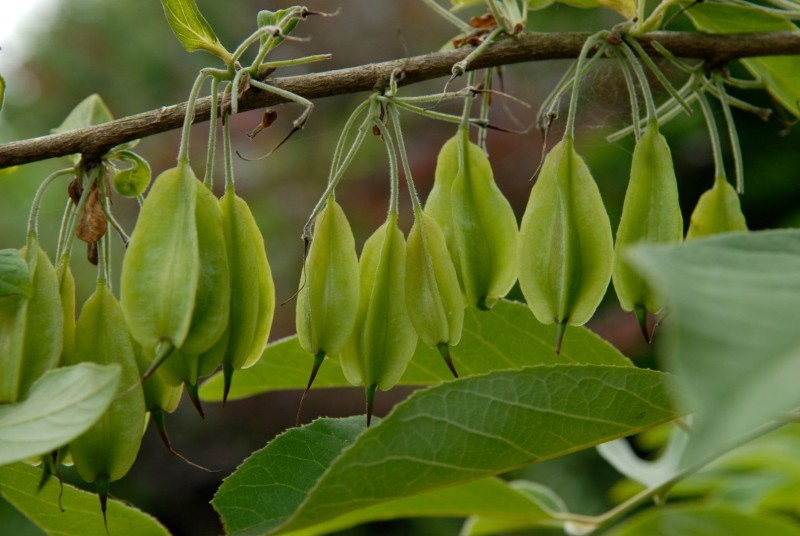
point(66, 50)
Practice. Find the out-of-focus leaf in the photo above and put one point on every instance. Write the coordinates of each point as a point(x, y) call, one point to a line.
point(732, 336)
point(698, 520)
point(506, 337)
point(90, 111)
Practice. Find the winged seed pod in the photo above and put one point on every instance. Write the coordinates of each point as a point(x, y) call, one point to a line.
point(565, 243)
point(650, 213)
point(106, 451)
point(160, 271)
point(252, 295)
point(66, 287)
point(433, 297)
point(718, 211)
point(31, 328)
point(477, 221)
point(212, 299)
point(327, 302)
point(383, 340)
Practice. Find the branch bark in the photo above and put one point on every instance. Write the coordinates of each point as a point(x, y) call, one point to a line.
point(96, 140)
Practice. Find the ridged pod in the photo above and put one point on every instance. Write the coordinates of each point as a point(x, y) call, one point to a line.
point(328, 299)
point(160, 271)
point(651, 213)
point(383, 340)
point(212, 300)
point(718, 211)
point(66, 286)
point(480, 225)
point(433, 297)
point(565, 244)
point(31, 328)
point(107, 450)
point(159, 393)
point(252, 296)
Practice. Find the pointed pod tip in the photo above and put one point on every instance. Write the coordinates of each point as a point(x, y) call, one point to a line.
point(102, 484)
point(370, 394)
point(191, 390)
point(318, 359)
point(641, 318)
point(561, 328)
point(444, 350)
point(227, 374)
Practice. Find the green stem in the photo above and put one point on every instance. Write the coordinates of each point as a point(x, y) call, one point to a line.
point(33, 218)
point(656, 71)
point(394, 175)
point(69, 214)
point(340, 143)
point(634, 97)
point(643, 84)
point(183, 153)
point(334, 179)
point(579, 72)
point(733, 135)
point(70, 236)
point(412, 190)
point(463, 127)
point(296, 61)
point(500, 16)
point(713, 133)
point(460, 24)
point(227, 151)
point(430, 114)
point(248, 42)
point(211, 154)
point(461, 67)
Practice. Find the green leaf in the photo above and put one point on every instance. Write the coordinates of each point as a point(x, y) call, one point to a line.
point(61, 405)
point(449, 434)
point(90, 111)
point(696, 520)
point(81, 515)
point(15, 278)
point(781, 74)
point(506, 337)
point(191, 28)
point(732, 334)
point(132, 181)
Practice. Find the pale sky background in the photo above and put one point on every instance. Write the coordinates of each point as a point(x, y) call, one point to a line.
point(17, 16)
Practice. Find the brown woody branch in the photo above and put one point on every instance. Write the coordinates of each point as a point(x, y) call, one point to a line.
point(96, 140)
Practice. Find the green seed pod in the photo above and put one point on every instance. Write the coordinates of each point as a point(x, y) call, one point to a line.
point(327, 301)
point(650, 213)
point(433, 297)
point(252, 297)
point(212, 301)
point(161, 269)
point(383, 340)
point(31, 329)
point(565, 245)
point(717, 211)
point(107, 450)
point(15, 278)
point(481, 225)
point(66, 284)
